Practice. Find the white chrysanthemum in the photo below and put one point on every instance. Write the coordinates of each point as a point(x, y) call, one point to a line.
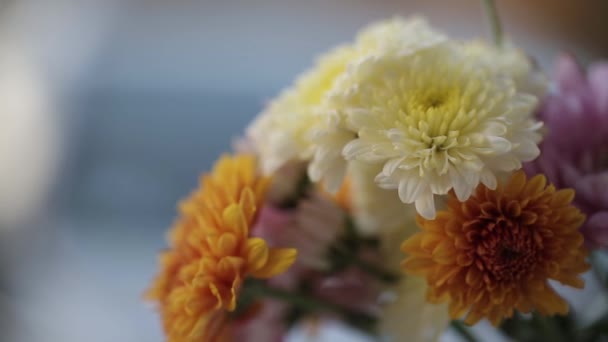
point(436, 120)
point(510, 61)
point(281, 132)
point(394, 37)
point(397, 36)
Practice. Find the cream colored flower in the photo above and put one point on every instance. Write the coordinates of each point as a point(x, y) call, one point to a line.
point(395, 37)
point(512, 62)
point(436, 120)
point(281, 132)
point(289, 127)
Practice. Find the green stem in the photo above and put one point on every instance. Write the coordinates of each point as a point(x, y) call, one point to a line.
point(494, 19)
point(310, 304)
point(463, 331)
point(301, 301)
point(349, 255)
point(549, 328)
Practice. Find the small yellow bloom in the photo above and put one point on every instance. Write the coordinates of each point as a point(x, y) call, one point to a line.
point(495, 252)
point(212, 253)
point(281, 132)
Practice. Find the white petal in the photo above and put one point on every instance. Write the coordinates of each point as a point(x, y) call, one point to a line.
point(495, 128)
point(527, 150)
point(355, 148)
point(504, 163)
point(334, 175)
point(499, 145)
point(461, 188)
point(488, 178)
point(392, 165)
point(425, 206)
point(440, 185)
point(410, 189)
point(359, 117)
point(387, 181)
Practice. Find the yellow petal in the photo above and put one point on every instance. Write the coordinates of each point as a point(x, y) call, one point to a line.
point(234, 220)
point(229, 266)
point(256, 254)
point(236, 287)
point(562, 198)
point(216, 293)
point(534, 186)
point(247, 203)
point(226, 244)
point(279, 260)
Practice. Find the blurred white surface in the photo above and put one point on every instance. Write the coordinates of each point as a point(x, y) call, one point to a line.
point(29, 146)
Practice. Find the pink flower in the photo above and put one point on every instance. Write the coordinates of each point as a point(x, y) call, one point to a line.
point(574, 153)
point(267, 324)
point(316, 224)
point(312, 227)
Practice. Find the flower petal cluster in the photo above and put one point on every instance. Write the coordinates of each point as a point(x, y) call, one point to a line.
point(436, 120)
point(286, 129)
point(575, 149)
point(212, 253)
point(496, 252)
point(281, 132)
point(331, 132)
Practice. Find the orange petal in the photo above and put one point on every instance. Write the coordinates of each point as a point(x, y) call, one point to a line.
point(418, 266)
point(412, 244)
point(516, 184)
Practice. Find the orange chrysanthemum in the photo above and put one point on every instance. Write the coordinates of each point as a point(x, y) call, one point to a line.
point(212, 253)
point(495, 252)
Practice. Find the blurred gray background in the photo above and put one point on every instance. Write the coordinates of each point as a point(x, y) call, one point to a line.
point(111, 109)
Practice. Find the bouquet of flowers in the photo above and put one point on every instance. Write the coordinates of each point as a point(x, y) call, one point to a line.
point(405, 183)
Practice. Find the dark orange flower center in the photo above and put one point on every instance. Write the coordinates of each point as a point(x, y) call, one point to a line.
point(507, 251)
